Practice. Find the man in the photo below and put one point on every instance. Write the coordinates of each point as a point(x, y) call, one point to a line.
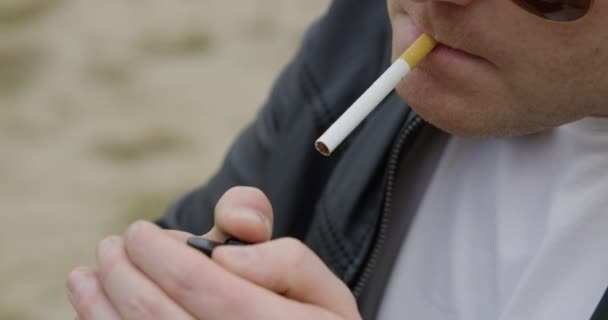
point(413, 223)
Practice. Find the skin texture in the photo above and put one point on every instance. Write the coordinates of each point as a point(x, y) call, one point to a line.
point(149, 273)
point(528, 75)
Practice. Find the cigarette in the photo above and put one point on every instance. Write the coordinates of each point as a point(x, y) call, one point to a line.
point(372, 97)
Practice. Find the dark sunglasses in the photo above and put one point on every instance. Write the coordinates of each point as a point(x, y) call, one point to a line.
point(557, 10)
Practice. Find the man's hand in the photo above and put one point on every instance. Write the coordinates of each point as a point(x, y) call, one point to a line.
point(152, 274)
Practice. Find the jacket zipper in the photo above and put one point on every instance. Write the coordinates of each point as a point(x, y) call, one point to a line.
point(385, 217)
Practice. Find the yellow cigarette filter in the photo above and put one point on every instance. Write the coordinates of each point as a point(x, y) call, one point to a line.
point(372, 97)
point(418, 50)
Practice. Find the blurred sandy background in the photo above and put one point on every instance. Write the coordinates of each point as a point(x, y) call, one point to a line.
point(111, 109)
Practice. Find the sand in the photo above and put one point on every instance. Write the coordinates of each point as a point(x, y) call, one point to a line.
point(109, 110)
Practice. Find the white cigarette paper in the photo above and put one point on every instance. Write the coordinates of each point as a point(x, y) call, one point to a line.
point(372, 97)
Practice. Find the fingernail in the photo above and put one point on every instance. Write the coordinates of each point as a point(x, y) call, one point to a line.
point(79, 281)
point(134, 227)
point(253, 216)
point(108, 245)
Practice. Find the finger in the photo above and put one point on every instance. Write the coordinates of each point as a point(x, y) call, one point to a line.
point(87, 296)
point(286, 266)
point(179, 235)
point(202, 287)
point(129, 291)
point(242, 212)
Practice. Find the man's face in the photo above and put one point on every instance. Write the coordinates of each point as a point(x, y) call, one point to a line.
point(502, 71)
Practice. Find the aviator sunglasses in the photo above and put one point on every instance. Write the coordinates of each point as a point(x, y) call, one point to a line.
point(557, 10)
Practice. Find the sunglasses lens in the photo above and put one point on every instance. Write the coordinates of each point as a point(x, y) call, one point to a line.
point(556, 10)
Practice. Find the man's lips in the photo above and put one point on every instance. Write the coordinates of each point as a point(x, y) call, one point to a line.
point(444, 52)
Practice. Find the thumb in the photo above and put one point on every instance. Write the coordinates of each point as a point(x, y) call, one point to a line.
point(244, 213)
point(287, 267)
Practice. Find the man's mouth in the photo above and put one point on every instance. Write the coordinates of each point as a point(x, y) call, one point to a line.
point(446, 52)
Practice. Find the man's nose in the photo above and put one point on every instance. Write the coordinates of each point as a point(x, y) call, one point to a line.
point(456, 2)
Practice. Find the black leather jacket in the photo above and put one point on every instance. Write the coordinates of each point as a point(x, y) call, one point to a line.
point(340, 206)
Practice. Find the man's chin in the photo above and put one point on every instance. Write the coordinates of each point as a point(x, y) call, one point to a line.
point(452, 114)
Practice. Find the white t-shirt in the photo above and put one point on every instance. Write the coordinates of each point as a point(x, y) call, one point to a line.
point(509, 229)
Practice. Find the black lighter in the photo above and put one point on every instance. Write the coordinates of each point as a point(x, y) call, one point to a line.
point(206, 246)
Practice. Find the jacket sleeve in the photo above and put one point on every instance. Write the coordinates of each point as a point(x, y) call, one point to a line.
point(340, 56)
point(247, 159)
